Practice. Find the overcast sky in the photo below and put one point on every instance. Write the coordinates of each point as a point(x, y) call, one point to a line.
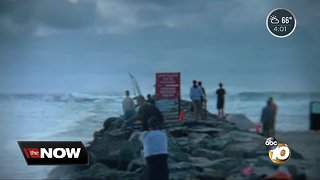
point(91, 45)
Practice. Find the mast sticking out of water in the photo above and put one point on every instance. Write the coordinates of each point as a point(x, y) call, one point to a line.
point(136, 87)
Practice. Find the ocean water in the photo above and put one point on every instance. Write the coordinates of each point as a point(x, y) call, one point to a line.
point(48, 117)
point(293, 108)
point(76, 116)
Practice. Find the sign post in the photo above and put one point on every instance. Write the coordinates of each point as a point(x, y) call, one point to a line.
point(168, 87)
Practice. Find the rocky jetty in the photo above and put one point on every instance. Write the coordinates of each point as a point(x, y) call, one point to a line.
point(206, 149)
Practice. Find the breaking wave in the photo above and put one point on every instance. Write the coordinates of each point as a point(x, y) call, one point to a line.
point(70, 97)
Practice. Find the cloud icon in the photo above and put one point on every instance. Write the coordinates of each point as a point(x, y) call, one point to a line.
point(274, 20)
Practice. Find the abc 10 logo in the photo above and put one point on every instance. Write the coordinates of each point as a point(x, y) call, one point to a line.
point(278, 152)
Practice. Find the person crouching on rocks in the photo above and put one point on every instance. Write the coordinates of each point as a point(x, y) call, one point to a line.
point(155, 150)
point(150, 100)
point(145, 111)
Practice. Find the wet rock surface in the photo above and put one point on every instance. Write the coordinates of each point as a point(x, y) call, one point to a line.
point(205, 149)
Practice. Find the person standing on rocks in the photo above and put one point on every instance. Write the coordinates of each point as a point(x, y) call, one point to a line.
point(203, 101)
point(220, 100)
point(145, 111)
point(155, 150)
point(195, 96)
point(268, 118)
point(128, 106)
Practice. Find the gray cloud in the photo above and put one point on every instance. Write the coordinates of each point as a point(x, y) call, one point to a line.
point(125, 16)
point(57, 14)
point(57, 41)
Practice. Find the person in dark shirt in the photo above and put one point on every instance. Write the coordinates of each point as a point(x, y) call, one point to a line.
point(268, 118)
point(145, 111)
point(150, 100)
point(220, 100)
point(203, 101)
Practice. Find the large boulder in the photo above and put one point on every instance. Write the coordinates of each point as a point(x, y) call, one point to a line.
point(114, 150)
point(175, 151)
point(212, 155)
point(217, 143)
point(180, 131)
point(112, 123)
point(137, 164)
point(241, 121)
point(245, 149)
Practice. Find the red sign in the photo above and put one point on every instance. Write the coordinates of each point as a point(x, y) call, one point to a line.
point(167, 85)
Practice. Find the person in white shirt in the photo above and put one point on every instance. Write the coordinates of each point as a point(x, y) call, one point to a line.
point(128, 106)
point(155, 150)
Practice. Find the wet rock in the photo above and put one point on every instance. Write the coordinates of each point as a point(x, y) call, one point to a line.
point(196, 138)
point(217, 143)
point(118, 132)
point(135, 137)
point(226, 163)
point(183, 141)
point(181, 174)
point(295, 154)
point(97, 170)
point(200, 160)
point(243, 136)
point(178, 132)
point(175, 152)
point(136, 164)
point(296, 166)
point(241, 121)
point(181, 166)
point(238, 177)
point(100, 171)
point(209, 173)
point(212, 155)
point(246, 149)
point(207, 130)
point(263, 161)
point(61, 172)
point(264, 171)
point(127, 153)
point(112, 123)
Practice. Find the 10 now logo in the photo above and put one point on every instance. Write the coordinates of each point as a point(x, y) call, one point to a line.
point(53, 152)
point(278, 152)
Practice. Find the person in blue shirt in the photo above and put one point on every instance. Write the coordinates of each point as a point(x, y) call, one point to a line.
point(155, 150)
point(195, 95)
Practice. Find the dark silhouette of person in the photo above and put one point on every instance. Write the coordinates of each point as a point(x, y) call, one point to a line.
point(268, 118)
point(150, 100)
point(145, 111)
point(155, 150)
point(203, 101)
point(220, 100)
